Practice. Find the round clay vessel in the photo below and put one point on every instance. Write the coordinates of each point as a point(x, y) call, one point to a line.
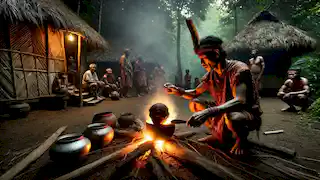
point(99, 134)
point(126, 120)
point(105, 117)
point(70, 148)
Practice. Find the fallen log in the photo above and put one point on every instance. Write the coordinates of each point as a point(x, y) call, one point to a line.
point(34, 155)
point(164, 165)
point(157, 170)
point(184, 135)
point(120, 153)
point(113, 173)
point(270, 148)
point(189, 156)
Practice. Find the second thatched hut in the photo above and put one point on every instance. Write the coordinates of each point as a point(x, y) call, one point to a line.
point(276, 41)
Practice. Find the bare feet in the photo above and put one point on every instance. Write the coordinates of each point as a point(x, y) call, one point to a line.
point(289, 109)
point(236, 149)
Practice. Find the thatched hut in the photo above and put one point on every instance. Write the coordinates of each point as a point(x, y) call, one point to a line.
point(34, 46)
point(276, 41)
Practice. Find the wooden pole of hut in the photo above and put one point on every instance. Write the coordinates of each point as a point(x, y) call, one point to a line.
point(79, 70)
point(8, 46)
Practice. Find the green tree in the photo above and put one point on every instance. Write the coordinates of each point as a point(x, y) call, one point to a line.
point(179, 10)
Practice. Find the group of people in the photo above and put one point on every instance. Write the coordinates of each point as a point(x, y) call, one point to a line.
point(234, 86)
point(132, 75)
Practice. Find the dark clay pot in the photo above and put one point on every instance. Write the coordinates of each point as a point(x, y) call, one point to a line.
point(106, 117)
point(161, 131)
point(99, 134)
point(126, 120)
point(70, 148)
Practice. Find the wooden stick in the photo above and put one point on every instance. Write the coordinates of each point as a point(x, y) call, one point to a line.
point(164, 165)
point(114, 172)
point(157, 170)
point(276, 149)
point(89, 167)
point(189, 156)
point(273, 132)
point(184, 135)
point(34, 155)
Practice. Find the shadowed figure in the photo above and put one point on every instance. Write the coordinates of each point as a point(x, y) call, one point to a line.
point(256, 65)
point(187, 80)
point(126, 72)
point(295, 91)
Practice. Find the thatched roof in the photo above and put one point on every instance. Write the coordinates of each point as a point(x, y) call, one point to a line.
point(266, 32)
point(55, 12)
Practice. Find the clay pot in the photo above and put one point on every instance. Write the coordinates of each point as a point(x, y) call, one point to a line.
point(161, 131)
point(105, 117)
point(70, 148)
point(114, 95)
point(99, 134)
point(126, 120)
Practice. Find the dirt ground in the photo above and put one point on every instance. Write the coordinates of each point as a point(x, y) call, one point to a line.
point(17, 135)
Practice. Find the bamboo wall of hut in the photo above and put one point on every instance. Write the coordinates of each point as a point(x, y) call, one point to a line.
point(30, 58)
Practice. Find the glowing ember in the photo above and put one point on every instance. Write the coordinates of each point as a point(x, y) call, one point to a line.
point(159, 145)
point(163, 98)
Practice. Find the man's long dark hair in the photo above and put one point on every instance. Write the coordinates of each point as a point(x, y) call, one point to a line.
point(213, 43)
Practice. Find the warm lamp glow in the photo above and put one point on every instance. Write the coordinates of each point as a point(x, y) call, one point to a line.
point(70, 37)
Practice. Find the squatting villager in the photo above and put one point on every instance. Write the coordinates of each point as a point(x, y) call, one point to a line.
point(237, 109)
point(187, 80)
point(91, 83)
point(59, 85)
point(196, 82)
point(126, 72)
point(295, 91)
point(256, 65)
point(110, 81)
point(140, 79)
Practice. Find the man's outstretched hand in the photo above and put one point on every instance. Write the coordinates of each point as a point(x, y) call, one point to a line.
point(171, 89)
point(198, 118)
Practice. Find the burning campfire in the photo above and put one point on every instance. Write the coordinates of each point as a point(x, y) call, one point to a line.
point(160, 147)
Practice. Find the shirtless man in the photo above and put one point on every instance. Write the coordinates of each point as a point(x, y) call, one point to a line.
point(295, 91)
point(236, 111)
point(256, 65)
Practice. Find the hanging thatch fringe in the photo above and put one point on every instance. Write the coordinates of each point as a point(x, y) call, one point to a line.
point(266, 32)
point(53, 11)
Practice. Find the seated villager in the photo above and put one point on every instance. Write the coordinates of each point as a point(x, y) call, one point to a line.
point(236, 111)
point(295, 91)
point(91, 83)
point(110, 82)
point(59, 85)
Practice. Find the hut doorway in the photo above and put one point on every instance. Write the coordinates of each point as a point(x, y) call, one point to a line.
point(71, 49)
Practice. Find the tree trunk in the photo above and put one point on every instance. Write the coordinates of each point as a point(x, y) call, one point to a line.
point(179, 72)
point(78, 9)
point(235, 21)
point(100, 16)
